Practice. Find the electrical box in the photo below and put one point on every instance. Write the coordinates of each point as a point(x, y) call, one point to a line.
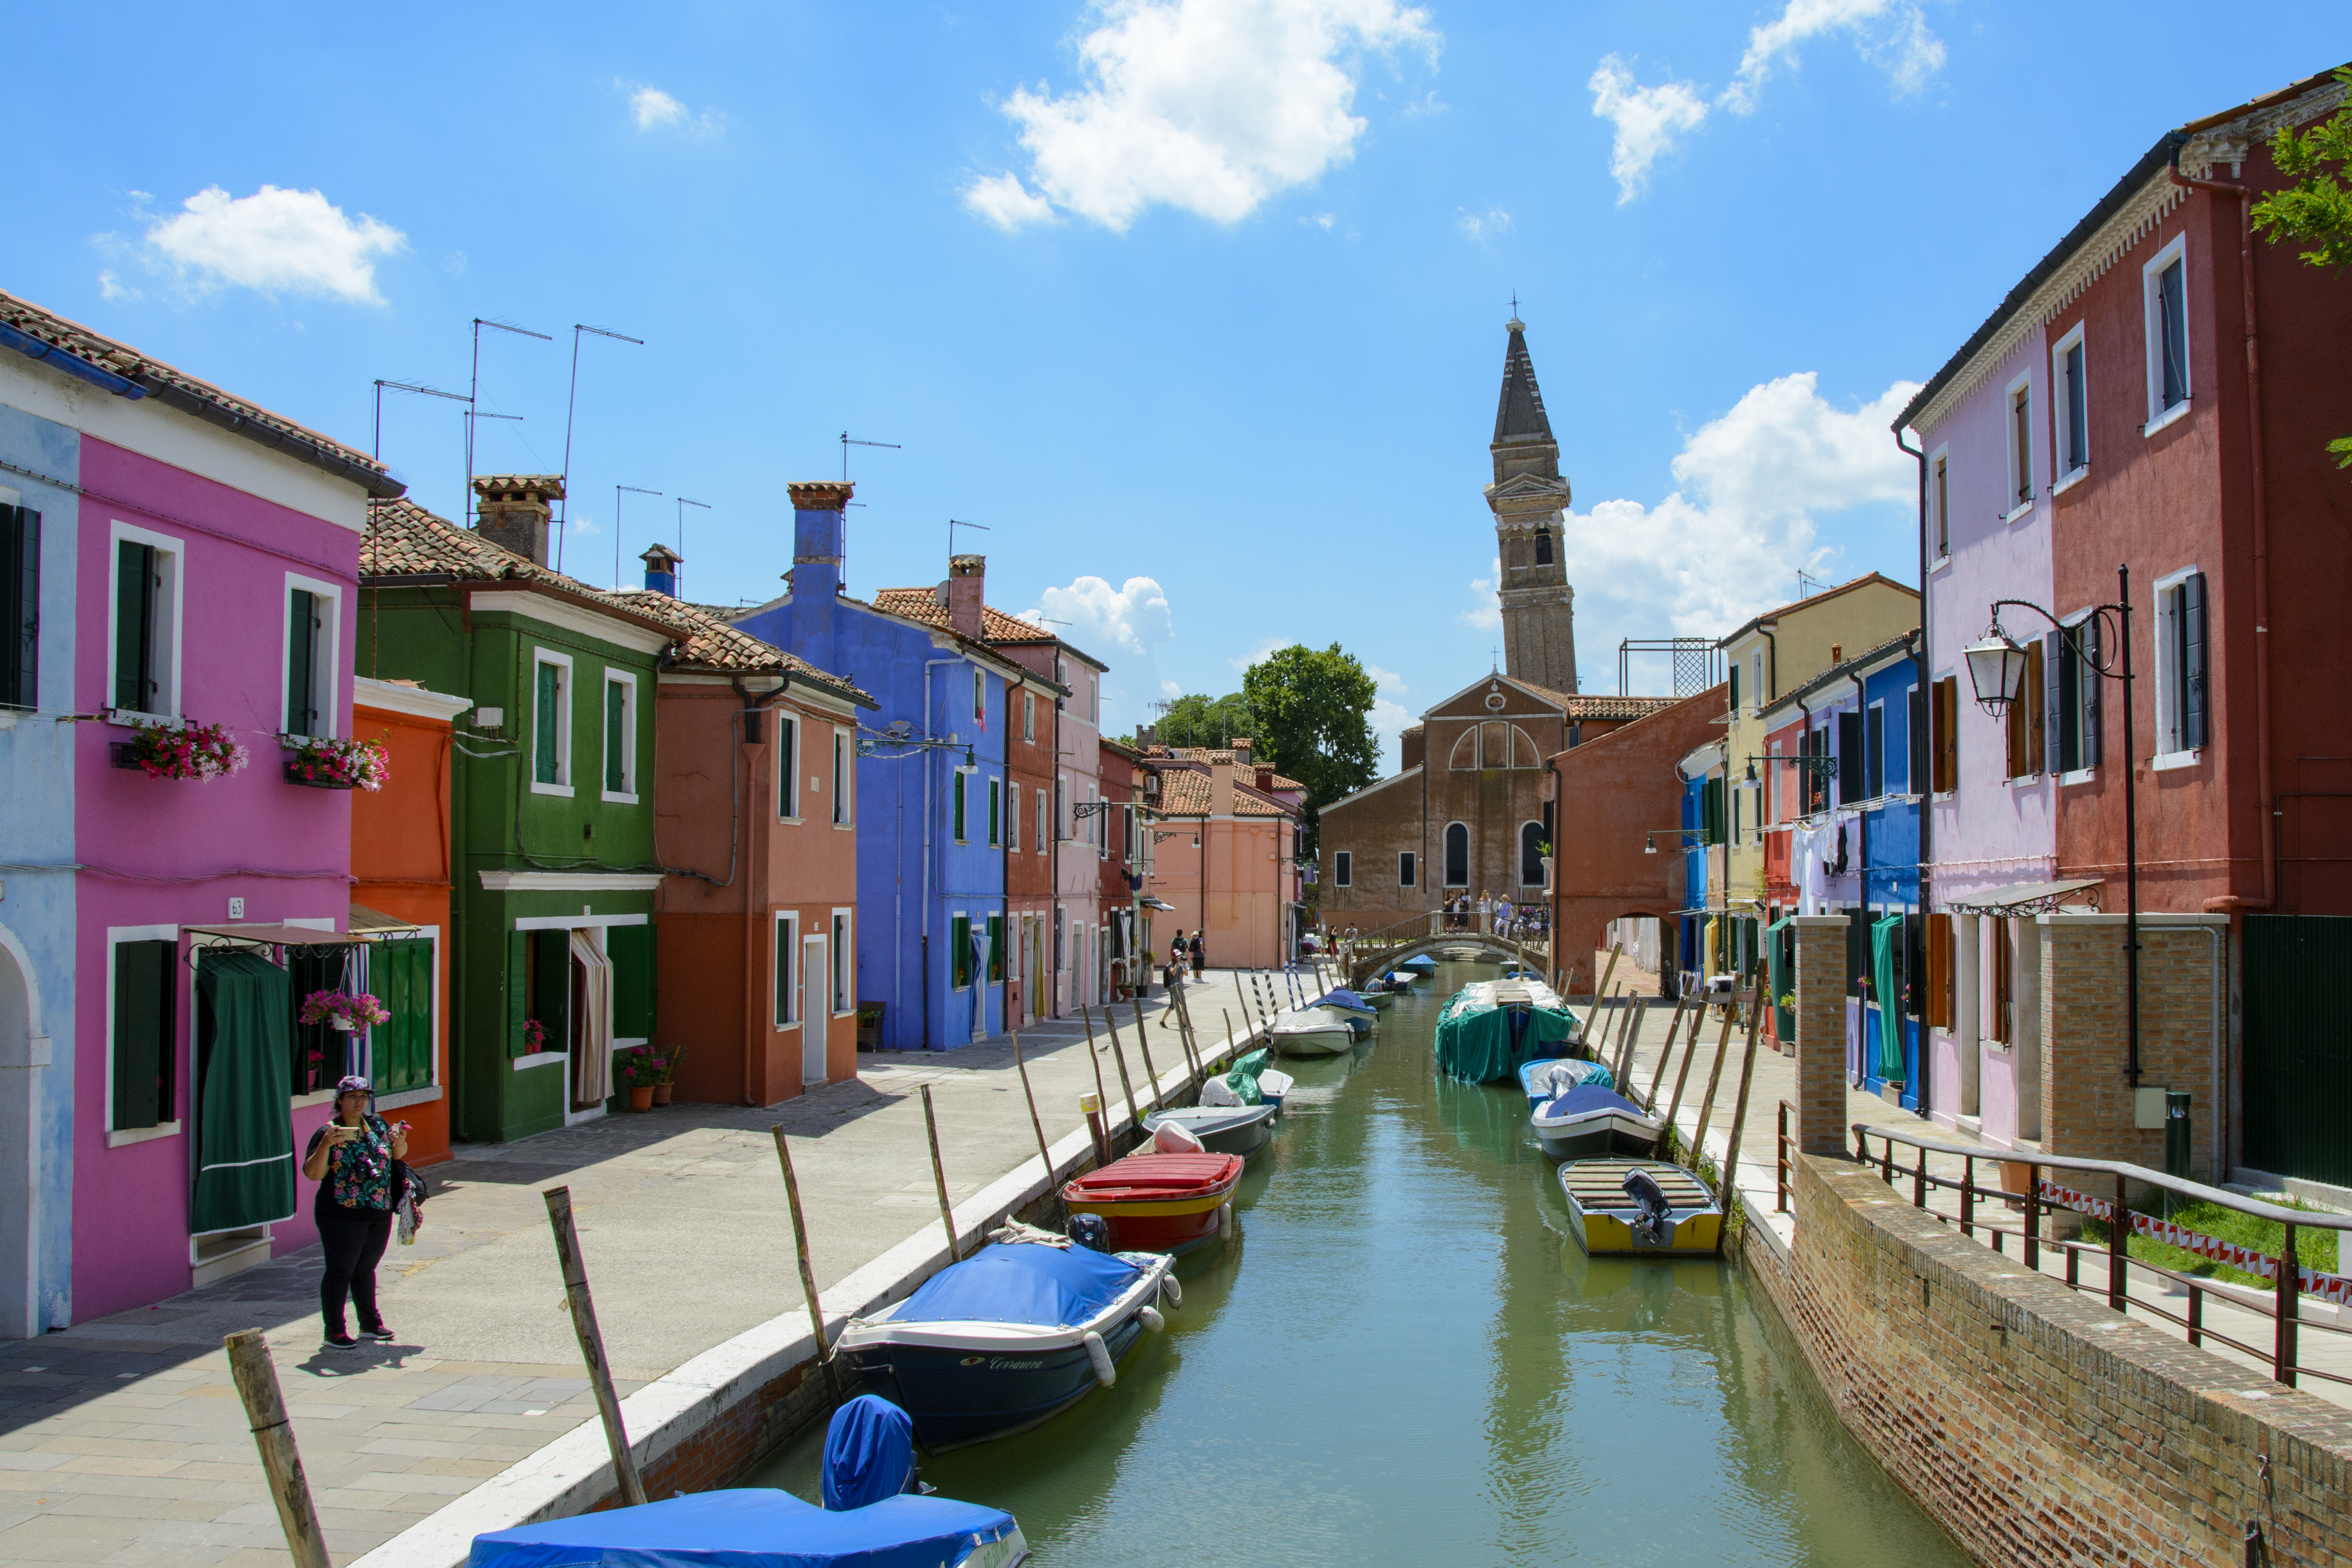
point(489, 718)
point(2148, 1108)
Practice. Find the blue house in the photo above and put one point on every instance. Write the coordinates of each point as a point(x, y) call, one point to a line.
point(931, 824)
point(1705, 943)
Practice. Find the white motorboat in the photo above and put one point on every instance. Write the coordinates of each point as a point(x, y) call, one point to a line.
point(1311, 1033)
point(1588, 1120)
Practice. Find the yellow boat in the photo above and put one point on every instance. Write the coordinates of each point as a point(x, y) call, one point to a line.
point(1607, 1218)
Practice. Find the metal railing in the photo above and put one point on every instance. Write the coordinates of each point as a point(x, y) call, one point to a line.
point(2042, 1196)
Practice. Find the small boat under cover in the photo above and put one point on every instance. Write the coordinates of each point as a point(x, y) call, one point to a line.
point(1639, 1206)
point(1420, 962)
point(757, 1527)
point(1221, 1128)
point(1587, 1119)
point(1348, 1002)
point(1158, 1202)
point(1311, 1034)
point(1490, 1027)
point(1544, 1079)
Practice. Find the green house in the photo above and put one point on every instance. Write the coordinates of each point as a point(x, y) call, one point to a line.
point(554, 873)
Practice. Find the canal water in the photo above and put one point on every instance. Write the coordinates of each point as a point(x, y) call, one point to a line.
point(1405, 1357)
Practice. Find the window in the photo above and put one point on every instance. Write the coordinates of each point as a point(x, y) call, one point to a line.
point(1343, 869)
point(1408, 869)
point(1757, 696)
point(1815, 744)
point(2181, 722)
point(400, 1051)
point(957, 793)
point(1735, 688)
point(995, 809)
point(2165, 282)
point(1853, 767)
point(1944, 742)
point(1028, 715)
point(841, 777)
point(319, 1053)
point(995, 950)
point(1062, 808)
point(1543, 548)
point(1094, 698)
point(2027, 716)
point(842, 962)
point(960, 952)
point(1013, 817)
point(786, 978)
point(1914, 751)
point(551, 744)
point(1773, 788)
point(1457, 854)
point(1098, 827)
point(1875, 752)
point(2021, 447)
point(1532, 848)
point(145, 677)
point(310, 656)
point(1044, 822)
point(788, 767)
point(620, 737)
point(2073, 406)
point(20, 604)
point(1127, 832)
point(1941, 499)
point(980, 698)
point(2003, 1022)
point(1935, 1004)
point(2078, 695)
point(143, 1035)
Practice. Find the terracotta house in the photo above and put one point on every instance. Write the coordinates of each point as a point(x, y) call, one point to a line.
point(1124, 918)
point(1225, 854)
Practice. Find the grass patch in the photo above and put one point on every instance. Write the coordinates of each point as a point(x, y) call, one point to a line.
point(2314, 1249)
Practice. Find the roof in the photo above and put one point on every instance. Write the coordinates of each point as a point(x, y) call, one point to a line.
point(1862, 663)
point(2156, 158)
point(1519, 419)
point(1212, 756)
point(923, 605)
point(122, 370)
point(404, 541)
point(1183, 793)
point(706, 640)
point(1823, 596)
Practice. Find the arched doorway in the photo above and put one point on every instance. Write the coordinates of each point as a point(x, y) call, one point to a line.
point(23, 1053)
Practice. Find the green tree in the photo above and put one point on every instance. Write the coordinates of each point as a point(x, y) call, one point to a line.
point(1312, 712)
point(1196, 721)
point(2316, 210)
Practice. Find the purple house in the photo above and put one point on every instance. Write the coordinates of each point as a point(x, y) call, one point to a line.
point(207, 568)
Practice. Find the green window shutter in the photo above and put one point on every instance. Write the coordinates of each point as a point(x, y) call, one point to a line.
point(958, 808)
point(20, 639)
point(960, 944)
point(616, 739)
point(145, 1048)
point(784, 972)
point(995, 805)
point(401, 973)
point(995, 949)
point(631, 949)
point(788, 731)
point(518, 991)
point(547, 725)
point(301, 663)
point(134, 599)
point(550, 1001)
point(2193, 705)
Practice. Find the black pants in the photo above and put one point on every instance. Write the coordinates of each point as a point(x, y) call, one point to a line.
point(353, 1240)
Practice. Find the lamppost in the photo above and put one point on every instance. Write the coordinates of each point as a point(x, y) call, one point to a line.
point(1997, 671)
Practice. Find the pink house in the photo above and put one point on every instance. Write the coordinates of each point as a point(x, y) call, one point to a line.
point(213, 594)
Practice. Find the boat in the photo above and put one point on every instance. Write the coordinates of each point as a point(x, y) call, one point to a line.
point(1589, 1119)
point(1546, 1076)
point(1490, 1027)
point(1008, 1337)
point(1463, 952)
point(759, 1527)
point(1639, 1206)
point(1341, 999)
point(1159, 1202)
point(1358, 1028)
point(1310, 1035)
point(1272, 1083)
point(1221, 1128)
point(1421, 964)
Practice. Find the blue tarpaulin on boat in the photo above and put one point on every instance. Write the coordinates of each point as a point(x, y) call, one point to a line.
point(750, 1528)
point(1021, 1282)
point(1340, 996)
point(1585, 1097)
point(1546, 1076)
point(869, 1453)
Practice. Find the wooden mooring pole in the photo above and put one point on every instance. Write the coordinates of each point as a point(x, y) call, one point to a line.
point(1151, 1073)
point(808, 1269)
point(1682, 1077)
point(273, 1435)
point(592, 1344)
point(1044, 1153)
point(1598, 992)
point(1715, 1074)
point(1727, 1189)
point(940, 1176)
point(1657, 1077)
point(1126, 1085)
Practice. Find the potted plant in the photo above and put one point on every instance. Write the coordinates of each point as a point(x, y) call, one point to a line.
point(670, 1058)
point(343, 1010)
point(869, 1025)
point(640, 1072)
point(322, 762)
point(534, 1037)
point(183, 751)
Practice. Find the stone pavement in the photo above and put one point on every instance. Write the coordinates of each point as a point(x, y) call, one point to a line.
point(122, 1440)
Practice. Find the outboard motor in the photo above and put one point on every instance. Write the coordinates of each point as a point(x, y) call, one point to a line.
point(1090, 1231)
point(1655, 1222)
point(869, 1454)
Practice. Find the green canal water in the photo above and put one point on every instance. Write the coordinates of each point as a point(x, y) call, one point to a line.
point(1405, 1358)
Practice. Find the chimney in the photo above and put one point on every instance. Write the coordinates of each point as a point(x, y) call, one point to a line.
point(966, 576)
point(818, 545)
point(1265, 778)
point(661, 570)
point(511, 511)
point(1241, 751)
point(1146, 737)
point(1221, 789)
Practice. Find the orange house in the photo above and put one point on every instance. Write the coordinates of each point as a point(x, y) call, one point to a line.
point(1225, 854)
point(755, 821)
point(400, 893)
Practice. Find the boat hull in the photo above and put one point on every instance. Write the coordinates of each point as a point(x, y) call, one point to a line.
point(1330, 1041)
point(1600, 1216)
point(1596, 1134)
point(960, 1395)
point(1223, 1130)
point(1158, 1202)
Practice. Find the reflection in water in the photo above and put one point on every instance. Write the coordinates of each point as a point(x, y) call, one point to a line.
point(1405, 1358)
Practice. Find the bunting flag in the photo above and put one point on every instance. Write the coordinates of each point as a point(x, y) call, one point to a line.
point(2333, 1289)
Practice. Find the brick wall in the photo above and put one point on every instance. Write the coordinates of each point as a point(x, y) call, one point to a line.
point(1820, 1032)
point(2086, 1091)
point(2033, 1424)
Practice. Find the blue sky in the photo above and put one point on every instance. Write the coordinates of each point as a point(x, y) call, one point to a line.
point(1197, 305)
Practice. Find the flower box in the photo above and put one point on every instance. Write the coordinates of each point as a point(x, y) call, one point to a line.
point(295, 775)
point(186, 751)
point(321, 762)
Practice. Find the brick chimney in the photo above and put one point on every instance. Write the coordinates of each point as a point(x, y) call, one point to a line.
point(967, 576)
point(661, 569)
point(819, 543)
point(1241, 751)
point(1266, 777)
point(511, 510)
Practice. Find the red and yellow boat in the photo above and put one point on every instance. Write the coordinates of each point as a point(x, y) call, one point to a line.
point(1158, 1202)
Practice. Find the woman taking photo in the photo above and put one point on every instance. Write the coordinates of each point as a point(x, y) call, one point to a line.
point(352, 1159)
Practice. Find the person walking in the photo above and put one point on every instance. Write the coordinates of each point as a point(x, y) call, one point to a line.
point(354, 1159)
point(1176, 956)
point(1199, 966)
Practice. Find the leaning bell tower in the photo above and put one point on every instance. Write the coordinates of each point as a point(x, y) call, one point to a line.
point(1529, 500)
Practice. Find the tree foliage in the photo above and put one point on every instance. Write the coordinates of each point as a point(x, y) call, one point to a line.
point(1312, 716)
point(2316, 210)
point(1196, 721)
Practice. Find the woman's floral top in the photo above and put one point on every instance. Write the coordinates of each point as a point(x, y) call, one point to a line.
point(359, 1172)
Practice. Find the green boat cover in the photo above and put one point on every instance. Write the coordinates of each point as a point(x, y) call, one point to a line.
point(1242, 1079)
point(245, 1125)
point(1479, 1042)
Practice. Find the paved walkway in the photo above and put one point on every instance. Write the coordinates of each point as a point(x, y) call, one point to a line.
point(122, 1440)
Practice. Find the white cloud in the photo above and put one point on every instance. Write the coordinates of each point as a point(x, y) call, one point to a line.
point(1488, 612)
point(1890, 33)
point(1484, 226)
point(1242, 661)
point(1123, 627)
point(109, 287)
point(1647, 120)
point(1320, 220)
point(1386, 679)
point(1005, 202)
point(1208, 105)
point(652, 108)
point(274, 241)
point(1389, 720)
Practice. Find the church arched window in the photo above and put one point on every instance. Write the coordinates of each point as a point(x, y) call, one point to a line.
point(1543, 548)
point(1496, 743)
point(1457, 854)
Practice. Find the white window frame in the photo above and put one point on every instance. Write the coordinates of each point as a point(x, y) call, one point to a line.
point(788, 778)
point(627, 681)
point(565, 699)
point(1028, 714)
point(1044, 822)
point(1012, 817)
point(2017, 510)
point(1097, 826)
point(1094, 698)
point(129, 1135)
point(785, 991)
point(2070, 466)
point(1403, 880)
point(1343, 868)
point(844, 781)
point(844, 969)
point(2152, 305)
point(2168, 720)
point(1939, 506)
point(327, 661)
point(169, 604)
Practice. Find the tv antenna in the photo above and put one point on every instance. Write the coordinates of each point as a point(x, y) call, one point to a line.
point(683, 502)
point(1808, 584)
point(376, 451)
point(847, 441)
point(574, 402)
point(474, 396)
point(953, 524)
point(618, 490)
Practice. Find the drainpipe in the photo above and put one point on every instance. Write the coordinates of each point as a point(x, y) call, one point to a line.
point(1771, 666)
point(2234, 903)
point(1919, 675)
point(1861, 855)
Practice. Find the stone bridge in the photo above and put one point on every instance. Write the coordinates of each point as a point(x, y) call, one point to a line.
point(1364, 964)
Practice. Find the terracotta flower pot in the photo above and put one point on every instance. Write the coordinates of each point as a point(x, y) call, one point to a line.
point(641, 1096)
point(661, 1094)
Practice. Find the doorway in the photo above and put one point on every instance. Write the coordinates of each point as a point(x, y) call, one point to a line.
point(817, 1011)
point(589, 1037)
point(23, 1052)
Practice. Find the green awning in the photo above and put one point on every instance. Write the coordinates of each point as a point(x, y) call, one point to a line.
point(245, 1122)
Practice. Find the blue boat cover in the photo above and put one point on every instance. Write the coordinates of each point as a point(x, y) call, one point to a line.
point(1586, 1096)
point(750, 1528)
point(869, 1453)
point(1568, 1071)
point(1021, 1282)
point(1340, 996)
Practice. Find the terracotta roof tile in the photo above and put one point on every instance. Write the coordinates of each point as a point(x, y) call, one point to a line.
point(404, 539)
point(1212, 756)
point(923, 605)
point(1184, 793)
point(708, 641)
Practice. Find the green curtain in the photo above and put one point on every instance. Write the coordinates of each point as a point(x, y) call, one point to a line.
point(245, 1123)
point(1884, 936)
point(1780, 982)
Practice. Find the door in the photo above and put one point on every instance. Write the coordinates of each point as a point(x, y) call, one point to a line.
point(816, 1010)
point(2298, 1065)
point(1036, 967)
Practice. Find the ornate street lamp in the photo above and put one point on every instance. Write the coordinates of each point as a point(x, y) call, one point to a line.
point(1997, 668)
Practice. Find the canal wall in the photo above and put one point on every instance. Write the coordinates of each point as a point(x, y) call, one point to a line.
point(2033, 1424)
